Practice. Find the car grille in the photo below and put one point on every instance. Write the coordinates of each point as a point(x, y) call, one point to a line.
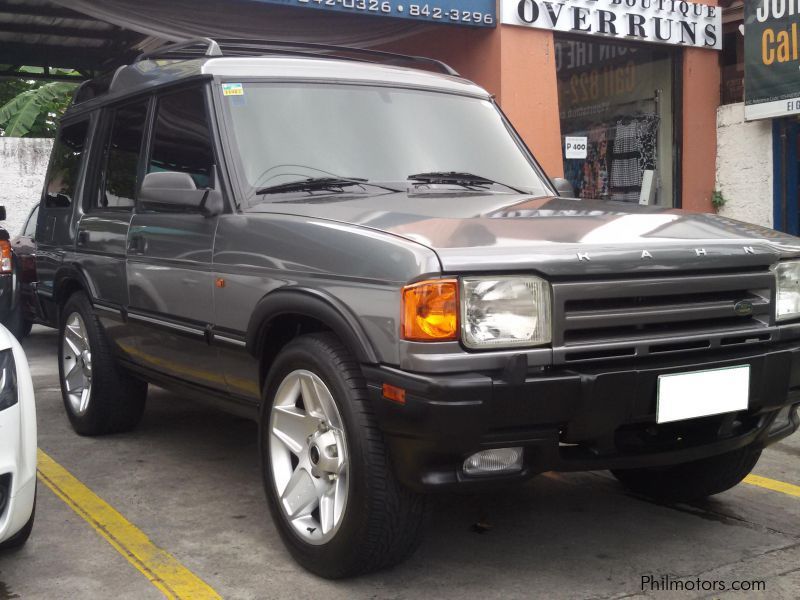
point(618, 318)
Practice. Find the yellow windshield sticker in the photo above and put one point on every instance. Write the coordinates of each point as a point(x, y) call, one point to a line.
point(232, 89)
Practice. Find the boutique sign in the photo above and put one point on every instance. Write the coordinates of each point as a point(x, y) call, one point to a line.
point(662, 21)
point(771, 58)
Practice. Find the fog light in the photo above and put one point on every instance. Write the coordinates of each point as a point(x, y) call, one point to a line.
point(494, 462)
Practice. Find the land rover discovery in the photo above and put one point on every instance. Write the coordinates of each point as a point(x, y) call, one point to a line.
point(363, 256)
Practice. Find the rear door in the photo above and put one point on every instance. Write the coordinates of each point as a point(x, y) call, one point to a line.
point(63, 188)
point(169, 267)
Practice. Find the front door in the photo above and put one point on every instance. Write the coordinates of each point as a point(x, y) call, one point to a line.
point(112, 182)
point(170, 243)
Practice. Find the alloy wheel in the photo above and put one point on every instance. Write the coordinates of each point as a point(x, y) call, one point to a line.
point(76, 363)
point(308, 456)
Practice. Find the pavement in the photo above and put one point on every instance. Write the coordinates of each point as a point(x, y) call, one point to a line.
point(189, 479)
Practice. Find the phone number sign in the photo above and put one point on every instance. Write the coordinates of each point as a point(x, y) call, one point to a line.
point(472, 13)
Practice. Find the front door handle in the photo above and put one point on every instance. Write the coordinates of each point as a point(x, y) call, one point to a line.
point(83, 238)
point(137, 244)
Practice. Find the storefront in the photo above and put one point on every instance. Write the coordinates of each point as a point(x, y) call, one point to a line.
point(619, 96)
point(615, 105)
point(772, 92)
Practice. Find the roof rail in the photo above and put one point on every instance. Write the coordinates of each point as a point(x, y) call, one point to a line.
point(200, 47)
point(211, 49)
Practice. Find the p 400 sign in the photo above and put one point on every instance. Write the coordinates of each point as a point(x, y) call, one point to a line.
point(473, 13)
point(662, 21)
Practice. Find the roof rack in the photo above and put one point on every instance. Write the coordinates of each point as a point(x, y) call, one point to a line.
point(201, 47)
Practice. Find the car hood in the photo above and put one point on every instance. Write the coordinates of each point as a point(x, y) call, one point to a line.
point(553, 235)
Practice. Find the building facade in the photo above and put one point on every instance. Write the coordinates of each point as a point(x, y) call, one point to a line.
point(618, 96)
point(645, 110)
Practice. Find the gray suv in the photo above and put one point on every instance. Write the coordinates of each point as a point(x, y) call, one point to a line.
point(363, 256)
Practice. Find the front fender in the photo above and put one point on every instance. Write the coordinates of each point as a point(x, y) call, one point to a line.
point(311, 303)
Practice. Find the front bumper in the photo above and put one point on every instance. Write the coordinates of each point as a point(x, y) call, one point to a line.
point(574, 419)
point(17, 475)
point(17, 449)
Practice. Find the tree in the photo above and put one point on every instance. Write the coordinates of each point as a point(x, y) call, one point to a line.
point(31, 108)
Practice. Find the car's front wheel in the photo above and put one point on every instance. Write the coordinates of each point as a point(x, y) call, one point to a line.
point(694, 480)
point(330, 487)
point(99, 396)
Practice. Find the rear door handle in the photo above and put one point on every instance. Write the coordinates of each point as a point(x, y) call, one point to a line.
point(137, 244)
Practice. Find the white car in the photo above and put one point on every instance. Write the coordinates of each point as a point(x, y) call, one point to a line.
point(17, 444)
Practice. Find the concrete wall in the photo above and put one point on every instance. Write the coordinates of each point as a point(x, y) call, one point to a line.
point(744, 166)
point(23, 165)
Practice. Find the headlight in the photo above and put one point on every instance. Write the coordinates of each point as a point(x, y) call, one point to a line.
point(8, 379)
point(505, 311)
point(787, 292)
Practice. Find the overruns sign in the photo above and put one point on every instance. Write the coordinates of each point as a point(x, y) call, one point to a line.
point(673, 22)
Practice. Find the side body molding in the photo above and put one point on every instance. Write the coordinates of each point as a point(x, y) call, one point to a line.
point(314, 304)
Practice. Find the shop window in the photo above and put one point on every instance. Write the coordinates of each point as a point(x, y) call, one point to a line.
point(615, 102)
point(732, 63)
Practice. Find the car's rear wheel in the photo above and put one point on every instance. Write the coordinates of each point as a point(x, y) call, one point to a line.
point(99, 396)
point(330, 487)
point(694, 480)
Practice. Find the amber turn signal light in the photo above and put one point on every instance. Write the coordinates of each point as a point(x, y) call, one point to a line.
point(394, 393)
point(5, 257)
point(430, 311)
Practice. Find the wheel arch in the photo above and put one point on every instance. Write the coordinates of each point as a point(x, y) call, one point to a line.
point(68, 280)
point(288, 313)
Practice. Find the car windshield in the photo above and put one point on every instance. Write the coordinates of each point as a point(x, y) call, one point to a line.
point(291, 132)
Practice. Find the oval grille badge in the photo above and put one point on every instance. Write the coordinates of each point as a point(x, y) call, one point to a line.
point(743, 308)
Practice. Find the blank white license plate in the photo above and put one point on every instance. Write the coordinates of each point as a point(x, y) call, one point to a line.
point(702, 393)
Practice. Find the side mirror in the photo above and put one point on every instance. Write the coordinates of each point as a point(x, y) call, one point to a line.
point(2, 213)
point(171, 190)
point(563, 187)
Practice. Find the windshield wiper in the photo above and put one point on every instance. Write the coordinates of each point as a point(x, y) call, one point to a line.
point(313, 184)
point(456, 178)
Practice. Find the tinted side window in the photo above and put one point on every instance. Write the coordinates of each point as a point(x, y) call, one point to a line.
point(182, 137)
point(65, 165)
point(122, 156)
point(30, 226)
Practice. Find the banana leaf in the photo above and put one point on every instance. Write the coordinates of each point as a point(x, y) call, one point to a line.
point(19, 114)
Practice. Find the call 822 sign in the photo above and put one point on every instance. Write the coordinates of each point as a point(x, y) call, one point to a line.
point(474, 13)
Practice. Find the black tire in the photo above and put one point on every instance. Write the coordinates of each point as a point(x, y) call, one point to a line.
point(117, 399)
point(691, 481)
point(383, 521)
point(18, 540)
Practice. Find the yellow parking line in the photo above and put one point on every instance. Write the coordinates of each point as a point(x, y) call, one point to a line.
point(162, 569)
point(774, 485)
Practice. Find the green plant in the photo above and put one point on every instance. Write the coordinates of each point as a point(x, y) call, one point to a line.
point(31, 108)
point(717, 200)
